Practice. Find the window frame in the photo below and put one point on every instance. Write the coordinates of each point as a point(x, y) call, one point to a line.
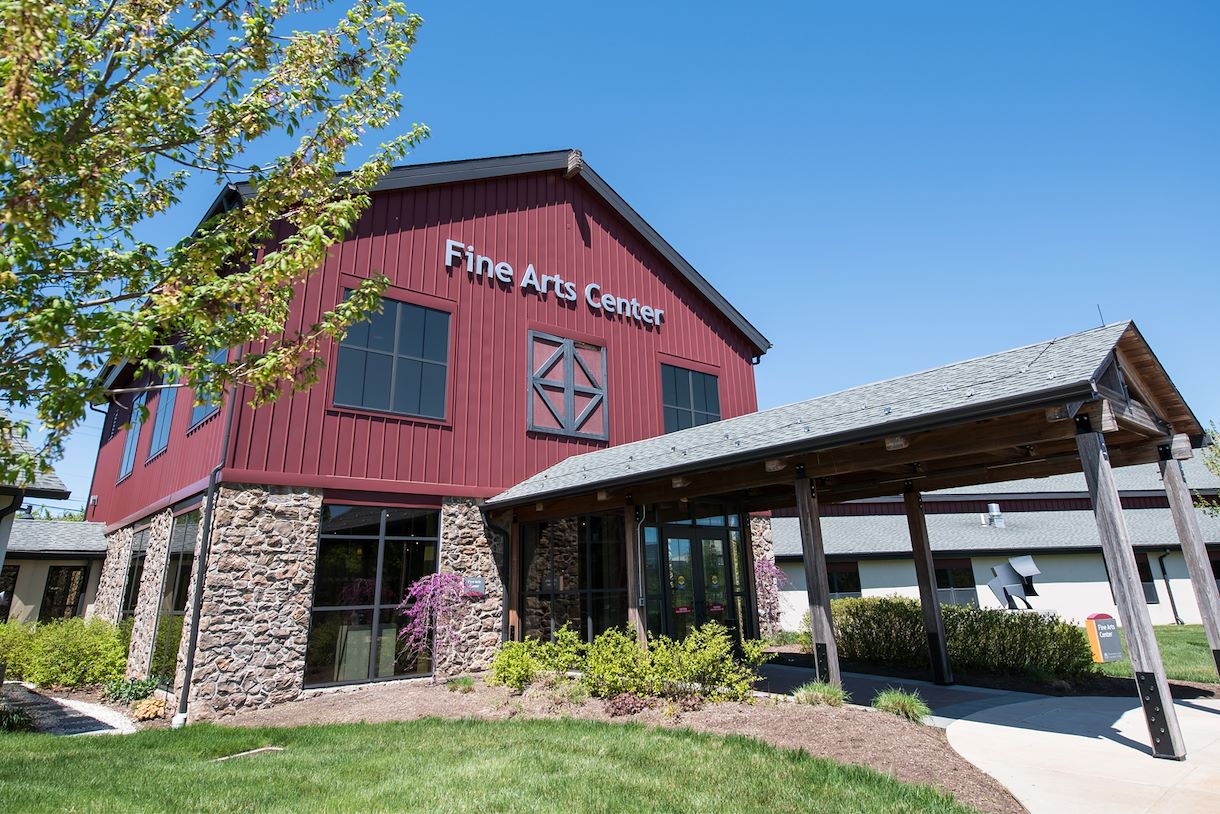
point(163, 421)
point(690, 410)
point(212, 407)
point(569, 420)
point(6, 607)
point(131, 441)
point(400, 299)
point(78, 604)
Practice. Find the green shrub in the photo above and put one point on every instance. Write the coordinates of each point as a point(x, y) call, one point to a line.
point(129, 690)
point(615, 664)
point(15, 720)
point(889, 630)
point(903, 704)
point(15, 642)
point(703, 664)
point(515, 665)
point(821, 693)
point(75, 652)
point(565, 651)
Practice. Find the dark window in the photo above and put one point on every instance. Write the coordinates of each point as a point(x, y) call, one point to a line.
point(689, 398)
point(8, 584)
point(175, 592)
point(396, 362)
point(955, 583)
point(574, 572)
point(1214, 554)
point(163, 419)
point(133, 437)
point(844, 579)
point(64, 594)
point(367, 559)
point(135, 572)
point(567, 387)
point(1146, 579)
point(208, 405)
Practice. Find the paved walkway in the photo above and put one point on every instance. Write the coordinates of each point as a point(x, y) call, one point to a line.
point(1088, 754)
point(1079, 755)
point(65, 716)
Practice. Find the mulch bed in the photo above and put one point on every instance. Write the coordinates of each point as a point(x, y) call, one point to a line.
point(899, 748)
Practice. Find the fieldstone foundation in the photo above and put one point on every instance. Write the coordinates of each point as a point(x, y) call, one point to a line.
point(148, 603)
point(469, 549)
point(257, 595)
point(110, 584)
point(766, 576)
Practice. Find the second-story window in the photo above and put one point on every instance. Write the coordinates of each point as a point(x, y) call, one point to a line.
point(567, 387)
point(396, 362)
point(689, 398)
point(133, 437)
point(210, 404)
point(163, 419)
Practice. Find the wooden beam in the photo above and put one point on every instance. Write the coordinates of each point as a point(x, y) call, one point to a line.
point(925, 576)
point(514, 582)
point(1202, 580)
point(1129, 595)
point(635, 593)
point(817, 583)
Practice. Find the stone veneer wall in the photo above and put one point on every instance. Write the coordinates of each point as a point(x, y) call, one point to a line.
point(257, 596)
point(144, 622)
point(109, 601)
point(470, 549)
point(767, 596)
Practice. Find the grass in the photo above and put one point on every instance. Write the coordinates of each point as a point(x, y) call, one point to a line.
point(820, 692)
point(903, 704)
point(1184, 650)
point(437, 765)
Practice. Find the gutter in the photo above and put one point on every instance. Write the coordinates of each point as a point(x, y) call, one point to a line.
point(872, 432)
point(201, 564)
point(1173, 605)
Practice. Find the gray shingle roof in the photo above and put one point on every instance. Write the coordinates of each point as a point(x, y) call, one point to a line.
point(1143, 478)
point(56, 537)
point(47, 484)
point(1023, 531)
point(1048, 369)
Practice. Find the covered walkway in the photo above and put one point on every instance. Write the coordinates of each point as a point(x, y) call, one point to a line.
point(1092, 401)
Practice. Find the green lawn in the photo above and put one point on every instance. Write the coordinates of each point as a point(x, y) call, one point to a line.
point(1184, 650)
point(435, 765)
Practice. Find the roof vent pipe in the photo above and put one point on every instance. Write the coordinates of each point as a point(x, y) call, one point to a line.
point(994, 517)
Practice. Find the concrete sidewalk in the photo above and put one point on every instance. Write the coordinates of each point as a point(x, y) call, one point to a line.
point(1087, 754)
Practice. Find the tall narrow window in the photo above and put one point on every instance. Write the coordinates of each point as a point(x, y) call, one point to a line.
point(175, 591)
point(367, 559)
point(567, 387)
point(135, 573)
point(396, 362)
point(64, 593)
point(688, 398)
point(133, 437)
point(163, 419)
point(8, 584)
point(208, 405)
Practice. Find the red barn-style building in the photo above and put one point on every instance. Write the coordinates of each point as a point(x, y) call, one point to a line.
point(531, 315)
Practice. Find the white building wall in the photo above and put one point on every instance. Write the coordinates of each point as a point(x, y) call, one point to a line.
point(1071, 585)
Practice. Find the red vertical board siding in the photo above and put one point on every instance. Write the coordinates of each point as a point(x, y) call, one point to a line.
point(483, 445)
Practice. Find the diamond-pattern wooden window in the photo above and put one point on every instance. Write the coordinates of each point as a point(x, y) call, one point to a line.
point(567, 387)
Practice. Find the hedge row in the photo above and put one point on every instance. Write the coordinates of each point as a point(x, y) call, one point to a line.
point(889, 630)
point(68, 653)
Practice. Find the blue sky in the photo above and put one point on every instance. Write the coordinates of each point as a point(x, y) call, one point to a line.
point(879, 187)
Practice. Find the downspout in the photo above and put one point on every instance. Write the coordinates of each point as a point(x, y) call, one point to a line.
point(188, 666)
point(639, 562)
point(507, 578)
point(12, 508)
point(1177, 620)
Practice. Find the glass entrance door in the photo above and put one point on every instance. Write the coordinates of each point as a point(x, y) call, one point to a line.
point(698, 578)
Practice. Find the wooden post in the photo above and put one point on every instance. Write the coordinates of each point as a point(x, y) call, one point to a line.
point(1129, 594)
point(514, 582)
point(1193, 549)
point(925, 577)
point(817, 584)
point(635, 607)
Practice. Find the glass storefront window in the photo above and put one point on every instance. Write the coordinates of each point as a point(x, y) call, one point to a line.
point(367, 559)
point(175, 593)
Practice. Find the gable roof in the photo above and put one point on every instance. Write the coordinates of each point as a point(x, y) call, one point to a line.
point(1045, 374)
point(572, 164)
point(57, 537)
point(47, 484)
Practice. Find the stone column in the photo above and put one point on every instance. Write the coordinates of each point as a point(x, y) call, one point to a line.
point(148, 603)
point(109, 602)
point(469, 549)
point(767, 594)
point(257, 596)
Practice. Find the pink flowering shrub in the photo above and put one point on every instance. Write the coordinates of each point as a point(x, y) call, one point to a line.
point(769, 580)
point(435, 607)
